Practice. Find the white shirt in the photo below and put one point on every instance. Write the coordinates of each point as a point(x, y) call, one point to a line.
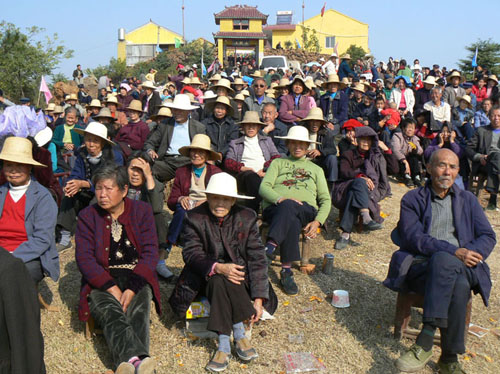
point(17, 192)
point(252, 154)
point(440, 113)
point(329, 68)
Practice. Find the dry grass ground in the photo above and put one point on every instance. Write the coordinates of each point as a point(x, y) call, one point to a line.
point(353, 340)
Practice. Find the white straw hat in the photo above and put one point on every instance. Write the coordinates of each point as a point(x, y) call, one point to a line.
point(97, 129)
point(149, 84)
point(225, 185)
point(42, 137)
point(181, 102)
point(299, 133)
point(209, 94)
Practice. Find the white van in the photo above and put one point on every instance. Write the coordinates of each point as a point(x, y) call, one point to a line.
point(275, 62)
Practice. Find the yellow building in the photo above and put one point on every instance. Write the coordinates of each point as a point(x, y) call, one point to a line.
point(334, 27)
point(144, 42)
point(240, 33)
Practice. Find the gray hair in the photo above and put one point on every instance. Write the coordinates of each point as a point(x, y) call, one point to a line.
point(111, 171)
point(436, 88)
point(71, 109)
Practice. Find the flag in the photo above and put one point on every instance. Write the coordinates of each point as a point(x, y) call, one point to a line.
point(474, 60)
point(336, 49)
point(211, 67)
point(323, 9)
point(177, 42)
point(203, 70)
point(45, 89)
point(298, 44)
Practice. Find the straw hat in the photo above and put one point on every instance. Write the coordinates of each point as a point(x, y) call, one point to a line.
point(50, 107)
point(95, 103)
point(345, 81)
point(359, 87)
point(347, 56)
point(493, 77)
point(465, 98)
point(315, 114)
point(251, 117)
point(72, 97)
point(135, 105)
point(163, 112)
point(333, 78)
point(200, 141)
point(18, 150)
point(221, 100)
point(105, 113)
point(223, 83)
point(58, 109)
point(284, 83)
point(149, 84)
point(455, 73)
point(239, 81)
point(239, 97)
point(299, 133)
point(429, 80)
point(110, 99)
point(214, 77)
point(192, 99)
point(300, 79)
point(257, 74)
point(310, 84)
point(44, 136)
point(209, 94)
point(181, 102)
point(271, 94)
point(97, 129)
point(195, 80)
point(273, 85)
point(225, 185)
point(245, 93)
point(186, 80)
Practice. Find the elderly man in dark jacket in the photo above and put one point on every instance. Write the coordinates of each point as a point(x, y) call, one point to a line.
point(444, 239)
point(226, 261)
point(334, 102)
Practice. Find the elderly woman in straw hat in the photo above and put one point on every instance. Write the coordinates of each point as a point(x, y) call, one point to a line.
point(162, 115)
point(334, 102)
point(295, 106)
point(295, 199)
point(28, 212)
point(249, 156)
point(92, 111)
point(189, 181)
point(79, 190)
point(133, 136)
point(112, 104)
point(71, 100)
point(116, 253)
point(220, 124)
point(233, 277)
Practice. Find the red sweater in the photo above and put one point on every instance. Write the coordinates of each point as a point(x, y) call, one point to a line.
point(12, 229)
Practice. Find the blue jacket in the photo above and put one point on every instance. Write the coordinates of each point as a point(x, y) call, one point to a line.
point(40, 217)
point(474, 232)
point(345, 70)
point(339, 106)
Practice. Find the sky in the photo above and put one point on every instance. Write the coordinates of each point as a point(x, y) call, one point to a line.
point(433, 31)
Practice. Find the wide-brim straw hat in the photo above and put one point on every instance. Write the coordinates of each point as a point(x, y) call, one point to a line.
point(95, 103)
point(315, 114)
point(493, 77)
point(195, 80)
point(221, 100)
point(209, 94)
point(50, 107)
point(136, 106)
point(251, 117)
point(97, 129)
point(245, 93)
point(192, 99)
point(20, 150)
point(181, 102)
point(110, 99)
point(333, 78)
point(239, 81)
point(72, 97)
point(429, 80)
point(455, 73)
point(256, 74)
point(347, 56)
point(186, 80)
point(239, 97)
point(43, 136)
point(359, 87)
point(224, 184)
point(345, 81)
point(215, 77)
point(299, 133)
point(58, 109)
point(283, 83)
point(149, 84)
point(163, 112)
point(223, 82)
point(298, 78)
point(105, 113)
point(310, 84)
point(465, 98)
point(201, 141)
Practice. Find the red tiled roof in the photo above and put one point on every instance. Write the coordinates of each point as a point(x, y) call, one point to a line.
point(240, 35)
point(279, 27)
point(240, 11)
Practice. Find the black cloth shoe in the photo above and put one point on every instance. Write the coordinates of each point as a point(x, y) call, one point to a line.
point(372, 226)
point(288, 283)
point(342, 243)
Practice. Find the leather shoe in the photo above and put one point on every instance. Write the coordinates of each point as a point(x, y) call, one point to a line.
point(372, 226)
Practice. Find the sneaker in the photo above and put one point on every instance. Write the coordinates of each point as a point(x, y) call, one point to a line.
point(245, 351)
point(147, 366)
point(408, 181)
point(61, 247)
point(417, 181)
point(125, 368)
point(372, 226)
point(491, 206)
point(219, 362)
point(414, 359)
point(450, 368)
point(288, 283)
point(342, 243)
point(163, 270)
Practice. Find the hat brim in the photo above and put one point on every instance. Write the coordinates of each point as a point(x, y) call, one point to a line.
point(341, 85)
point(15, 158)
point(83, 132)
point(211, 105)
point(251, 123)
point(111, 118)
point(173, 106)
point(229, 195)
point(213, 156)
point(297, 139)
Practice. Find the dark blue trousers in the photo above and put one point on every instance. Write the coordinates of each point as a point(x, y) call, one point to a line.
point(446, 284)
point(286, 221)
point(175, 227)
point(357, 197)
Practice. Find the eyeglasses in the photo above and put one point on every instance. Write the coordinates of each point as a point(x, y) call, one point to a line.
point(259, 85)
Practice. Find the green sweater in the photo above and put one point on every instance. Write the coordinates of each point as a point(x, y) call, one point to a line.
point(299, 179)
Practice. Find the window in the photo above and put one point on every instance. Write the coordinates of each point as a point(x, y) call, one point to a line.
point(330, 42)
point(240, 24)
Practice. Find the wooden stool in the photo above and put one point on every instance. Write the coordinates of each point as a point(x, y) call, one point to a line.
point(91, 329)
point(45, 305)
point(404, 303)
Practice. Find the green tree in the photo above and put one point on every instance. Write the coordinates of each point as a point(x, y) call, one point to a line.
point(310, 42)
point(26, 57)
point(488, 56)
point(288, 44)
point(355, 52)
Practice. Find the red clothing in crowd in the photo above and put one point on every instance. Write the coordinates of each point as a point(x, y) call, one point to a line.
point(12, 230)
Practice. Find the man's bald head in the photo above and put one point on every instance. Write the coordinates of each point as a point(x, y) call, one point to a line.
point(443, 167)
point(440, 153)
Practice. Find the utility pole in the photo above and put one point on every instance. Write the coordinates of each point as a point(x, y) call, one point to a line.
point(303, 7)
point(183, 35)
